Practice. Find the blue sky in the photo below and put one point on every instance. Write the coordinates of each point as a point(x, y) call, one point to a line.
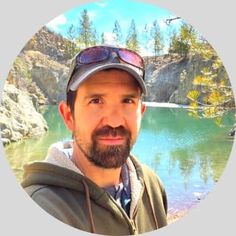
point(103, 14)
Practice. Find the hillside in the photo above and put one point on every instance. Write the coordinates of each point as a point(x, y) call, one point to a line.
point(38, 77)
point(40, 72)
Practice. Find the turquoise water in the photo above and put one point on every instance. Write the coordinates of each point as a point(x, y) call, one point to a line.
point(188, 154)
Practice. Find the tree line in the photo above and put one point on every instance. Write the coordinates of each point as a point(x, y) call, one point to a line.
point(84, 34)
point(213, 92)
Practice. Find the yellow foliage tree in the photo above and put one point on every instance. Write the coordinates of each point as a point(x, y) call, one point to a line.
point(214, 96)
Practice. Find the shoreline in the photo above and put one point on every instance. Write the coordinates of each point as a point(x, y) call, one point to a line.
point(173, 217)
point(165, 104)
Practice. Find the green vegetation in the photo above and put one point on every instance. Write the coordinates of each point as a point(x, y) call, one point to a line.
point(132, 38)
point(117, 32)
point(84, 34)
point(183, 42)
point(157, 38)
point(87, 33)
point(211, 95)
point(71, 47)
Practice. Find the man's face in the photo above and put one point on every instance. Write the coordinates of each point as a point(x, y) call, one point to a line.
point(107, 117)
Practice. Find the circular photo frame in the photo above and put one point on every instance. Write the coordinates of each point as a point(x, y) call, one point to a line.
point(188, 128)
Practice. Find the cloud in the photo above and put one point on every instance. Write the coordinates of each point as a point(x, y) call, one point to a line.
point(101, 4)
point(57, 22)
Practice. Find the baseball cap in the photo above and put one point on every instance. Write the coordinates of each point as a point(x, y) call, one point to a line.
point(94, 59)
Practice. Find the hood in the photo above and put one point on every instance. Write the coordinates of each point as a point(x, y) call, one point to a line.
point(59, 170)
point(60, 154)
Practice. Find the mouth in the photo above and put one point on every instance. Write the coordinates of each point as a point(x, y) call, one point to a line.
point(109, 140)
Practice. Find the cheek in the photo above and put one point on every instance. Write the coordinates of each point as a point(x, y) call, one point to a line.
point(85, 124)
point(135, 124)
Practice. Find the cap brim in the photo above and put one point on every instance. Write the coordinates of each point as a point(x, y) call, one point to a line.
point(79, 77)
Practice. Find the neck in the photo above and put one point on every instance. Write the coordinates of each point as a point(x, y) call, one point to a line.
point(101, 176)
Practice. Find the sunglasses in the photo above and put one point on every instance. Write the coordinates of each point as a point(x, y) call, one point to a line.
point(98, 54)
point(102, 53)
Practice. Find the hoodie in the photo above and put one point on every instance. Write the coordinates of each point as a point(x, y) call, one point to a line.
point(61, 189)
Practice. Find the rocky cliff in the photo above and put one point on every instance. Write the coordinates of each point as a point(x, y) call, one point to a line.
point(18, 116)
point(44, 62)
point(50, 44)
point(38, 77)
point(165, 80)
point(49, 75)
point(162, 76)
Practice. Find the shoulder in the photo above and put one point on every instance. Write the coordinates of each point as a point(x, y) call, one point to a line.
point(35, 189)
point(44, 195)
point(56, 201)
point(151, 178)
point(146, 172)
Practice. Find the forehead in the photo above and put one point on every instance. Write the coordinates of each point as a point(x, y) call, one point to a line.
point(109, 78)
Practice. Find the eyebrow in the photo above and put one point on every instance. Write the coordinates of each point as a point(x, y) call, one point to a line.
point(92, 95)
point(128, 95)
point(132, 95)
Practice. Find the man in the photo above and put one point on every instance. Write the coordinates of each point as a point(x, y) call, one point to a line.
point(93, 183)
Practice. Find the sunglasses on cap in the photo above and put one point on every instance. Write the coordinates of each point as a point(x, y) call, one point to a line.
point(99, 54)
point(102, 53)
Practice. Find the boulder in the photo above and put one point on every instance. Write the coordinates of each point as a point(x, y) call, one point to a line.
point(19, 118)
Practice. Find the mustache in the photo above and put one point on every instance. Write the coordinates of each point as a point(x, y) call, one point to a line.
point(109, 131)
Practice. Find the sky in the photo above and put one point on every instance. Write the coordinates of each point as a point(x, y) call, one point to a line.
point(103, 14)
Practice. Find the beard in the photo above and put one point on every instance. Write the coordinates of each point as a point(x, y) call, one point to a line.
point(107, 156)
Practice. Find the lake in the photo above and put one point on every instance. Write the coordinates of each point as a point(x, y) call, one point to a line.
point(188, 154)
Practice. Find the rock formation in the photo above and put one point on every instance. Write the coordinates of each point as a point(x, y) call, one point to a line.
point(39, 76)
point(165, 81)
point(18, 116)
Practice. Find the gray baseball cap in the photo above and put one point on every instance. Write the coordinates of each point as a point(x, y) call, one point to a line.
point(81, 72)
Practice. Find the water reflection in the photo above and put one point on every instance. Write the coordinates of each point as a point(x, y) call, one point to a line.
point(188, 154)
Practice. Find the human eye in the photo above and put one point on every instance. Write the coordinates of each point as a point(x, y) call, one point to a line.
point(95, 101)
point(129, 100)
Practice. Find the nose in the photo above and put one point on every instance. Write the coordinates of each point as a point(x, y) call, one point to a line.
point(113, 117)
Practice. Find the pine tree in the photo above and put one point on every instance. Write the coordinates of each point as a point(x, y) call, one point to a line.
point(117, 32)
point(87, 33)
point(70, 47)
point(157, 38)
point(103, 38)
point(212, 90)
point(95, 37)
point(173, 39)
point(146, 38)
point(132, 38)
point(185, 41)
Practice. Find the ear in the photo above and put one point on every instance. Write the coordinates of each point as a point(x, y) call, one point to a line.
point(67, 115)
point(143, 108)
